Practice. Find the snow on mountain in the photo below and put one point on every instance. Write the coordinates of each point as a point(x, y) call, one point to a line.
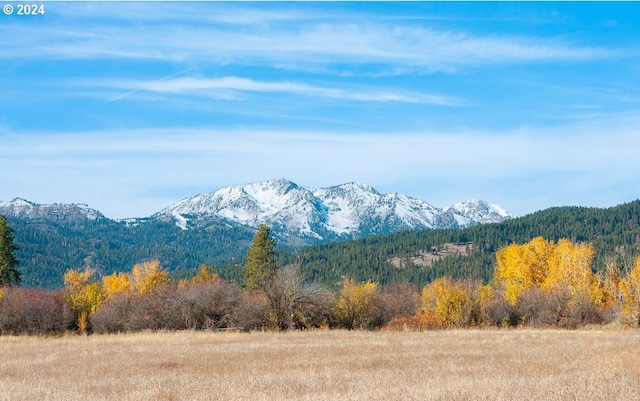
point(351, 207)
point(474, 211)
point(297, 215)
point(19, 207)
point(344, 211)
point(279, 203)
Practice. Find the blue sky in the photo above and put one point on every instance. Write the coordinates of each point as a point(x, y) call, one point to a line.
point(130, 107)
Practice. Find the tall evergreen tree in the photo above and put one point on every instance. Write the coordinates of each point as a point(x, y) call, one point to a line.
point(9, 274)
point(261, 263)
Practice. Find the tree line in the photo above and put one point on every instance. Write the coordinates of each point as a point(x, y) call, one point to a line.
point(540, 282)
point(614, 233)
point(49, 248)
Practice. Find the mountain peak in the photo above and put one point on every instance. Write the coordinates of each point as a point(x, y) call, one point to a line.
point(296, 214)
point(342, 211)
point(351, 186)
point(478, 211)
point(279, 185)
point(17, 202)
point(20, 207)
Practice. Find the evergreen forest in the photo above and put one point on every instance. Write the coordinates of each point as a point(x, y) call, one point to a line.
point(46, 250)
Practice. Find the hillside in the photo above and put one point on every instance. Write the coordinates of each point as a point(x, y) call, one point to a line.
point(50, 246)
point(421, 256)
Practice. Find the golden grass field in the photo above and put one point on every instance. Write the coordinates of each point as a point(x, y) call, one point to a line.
point(325, 365)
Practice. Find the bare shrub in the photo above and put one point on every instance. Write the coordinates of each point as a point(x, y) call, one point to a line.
point(540, 308)
point(582, 311)
point(253, 312)
point(293, 303)
point(397, 300)
point(499, 312)
point(207, 305)
point(30, 311)
point(114, 314)
point(557, 307)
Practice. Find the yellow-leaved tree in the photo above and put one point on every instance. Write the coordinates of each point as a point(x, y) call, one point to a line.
point(355, 305)
point(83, 294)
point(205, 275)
point(520, 267)
point(448, 300)
point(570, 268)
point(149, 275)
point(116, 283)
point(545, 264)
point(629, 287)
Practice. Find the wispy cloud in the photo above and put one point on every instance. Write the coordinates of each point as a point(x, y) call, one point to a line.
point(232, 87)
point(175, 98)
point(302, 43)
point(118, 164)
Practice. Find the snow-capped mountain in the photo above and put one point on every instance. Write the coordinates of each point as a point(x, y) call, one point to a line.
point(340, 212)
point(474, 211)
point(297, 215)
point(357, 209)
point(22, 208)
point(280, 204)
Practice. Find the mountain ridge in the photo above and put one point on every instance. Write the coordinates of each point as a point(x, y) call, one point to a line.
point(53, 238)
point(20, 207)
point(344, 211)
point(295, 213)
point(336, 208)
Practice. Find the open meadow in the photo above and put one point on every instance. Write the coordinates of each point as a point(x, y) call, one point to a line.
point(325, 365)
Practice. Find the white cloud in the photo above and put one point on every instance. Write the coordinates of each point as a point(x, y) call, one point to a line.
point(230, 88)
point(122, 172)
point(304, 42)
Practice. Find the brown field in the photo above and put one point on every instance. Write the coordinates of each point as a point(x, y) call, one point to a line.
point(325, 365)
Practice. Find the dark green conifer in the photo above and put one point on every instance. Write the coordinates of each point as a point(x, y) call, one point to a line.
point(9, 274)
point(261, 263)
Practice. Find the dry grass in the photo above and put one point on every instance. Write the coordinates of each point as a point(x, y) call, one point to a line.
point(325, 365)
point(425, 258)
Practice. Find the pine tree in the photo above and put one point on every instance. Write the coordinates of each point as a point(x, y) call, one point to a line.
point(261, 263)
point(9, 274)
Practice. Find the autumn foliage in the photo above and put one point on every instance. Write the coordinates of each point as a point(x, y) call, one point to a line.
point(540, 283)
point(355, 304)
point(83, 294)
point(550, 266)
point(149, 275)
